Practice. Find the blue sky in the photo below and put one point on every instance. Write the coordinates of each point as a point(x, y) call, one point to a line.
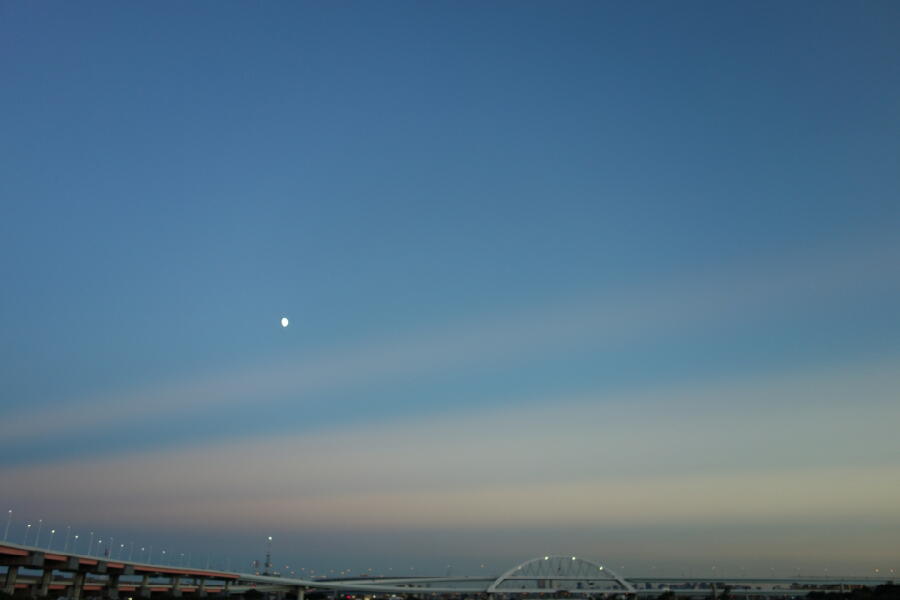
point(467, 210)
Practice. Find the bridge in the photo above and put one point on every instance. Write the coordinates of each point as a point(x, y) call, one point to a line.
point(39, 573)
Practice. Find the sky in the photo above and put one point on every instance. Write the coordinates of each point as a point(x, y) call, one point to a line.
point(606, 278)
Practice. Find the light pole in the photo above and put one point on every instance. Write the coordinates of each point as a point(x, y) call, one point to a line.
point(75, 544)
point(37, 537)
point(163, 559)
point(110, 547)
point(8, 521)
point(90, 544)
point(121, 551)
point(50, 543)
point(68, 533)
point(131, 551)
point(27, 531)
point(99, 543)
point(150, 555)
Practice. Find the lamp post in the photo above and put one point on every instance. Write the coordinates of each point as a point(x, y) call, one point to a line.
point(50, 543)
point(90, 544)
point(110, 547)
point(68, 533)
point(8, 521)
point(99, 543)
point(37, 537)
point(75, 544)
point(131, 551)
point(27, 531)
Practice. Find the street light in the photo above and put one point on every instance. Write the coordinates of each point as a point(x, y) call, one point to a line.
point(37, 537)
point(27, 531)
point(8, 521)
point(75, 544)
point(90, 544)
point(50, 543)
point(68, 533)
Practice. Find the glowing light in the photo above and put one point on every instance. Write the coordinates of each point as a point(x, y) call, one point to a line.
point(285, 322)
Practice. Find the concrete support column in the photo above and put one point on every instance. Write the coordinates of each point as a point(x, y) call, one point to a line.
point(176, 586)
point(714, 592)
point(9, 582)
point(301, 594)
point(112, 586)
point(44, 585)
point(201, 587)
point(144, 590)
point(77, 587)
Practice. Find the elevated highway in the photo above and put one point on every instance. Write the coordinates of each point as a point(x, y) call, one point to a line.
point(38, 573)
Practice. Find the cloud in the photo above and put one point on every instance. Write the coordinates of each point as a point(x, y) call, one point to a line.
point(817, 445)
point(608, 319)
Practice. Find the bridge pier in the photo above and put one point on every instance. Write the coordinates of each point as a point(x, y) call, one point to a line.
point(176, 586)
point(144, 589)
point(44, 586)
point(201, 587)
point(112, 586)
point(9, 582)
point(77, 586)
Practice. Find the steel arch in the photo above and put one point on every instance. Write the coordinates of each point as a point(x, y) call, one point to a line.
point(558, 568)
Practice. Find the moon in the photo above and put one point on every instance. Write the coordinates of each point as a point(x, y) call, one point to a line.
point(285, 322)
